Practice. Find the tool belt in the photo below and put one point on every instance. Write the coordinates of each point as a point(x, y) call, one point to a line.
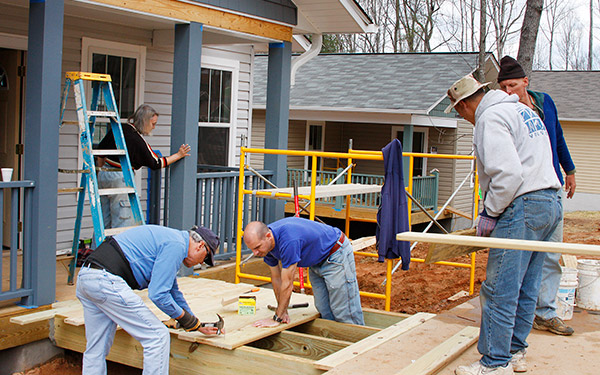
point(110, 257)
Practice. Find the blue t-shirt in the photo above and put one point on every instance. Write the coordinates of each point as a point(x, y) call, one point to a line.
point(155, 254)
point(301, 241)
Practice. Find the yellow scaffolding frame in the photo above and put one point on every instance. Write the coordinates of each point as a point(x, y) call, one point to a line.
point(350, 155)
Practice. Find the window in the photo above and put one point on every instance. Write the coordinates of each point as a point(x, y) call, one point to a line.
point(126, 65)
point(419, 145)
point(216, 112)
point(3, 79)
point(315, 136)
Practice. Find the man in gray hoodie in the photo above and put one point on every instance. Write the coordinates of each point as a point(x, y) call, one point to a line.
point(519, 185)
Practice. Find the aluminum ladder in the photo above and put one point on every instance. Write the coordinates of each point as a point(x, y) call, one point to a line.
point(86, 119)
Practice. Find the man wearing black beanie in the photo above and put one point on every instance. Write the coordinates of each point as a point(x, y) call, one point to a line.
point(512, 80)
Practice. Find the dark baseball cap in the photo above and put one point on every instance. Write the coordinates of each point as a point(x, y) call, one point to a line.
point(212, 241)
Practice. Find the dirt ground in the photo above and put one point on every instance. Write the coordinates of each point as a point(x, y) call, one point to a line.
point(423, 288)
point(426, 288)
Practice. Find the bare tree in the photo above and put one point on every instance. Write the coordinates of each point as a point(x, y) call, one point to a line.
point(569, 46)
point(555, 12)
point(529, 31)
point(504, 15)
point(591, 36)
point(482, 28)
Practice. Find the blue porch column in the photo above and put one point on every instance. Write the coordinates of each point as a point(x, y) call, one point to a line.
point(184, 124)
point(277, 118)
point(407, 146)
point(44, 62)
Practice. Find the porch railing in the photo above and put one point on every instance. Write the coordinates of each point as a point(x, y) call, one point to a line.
point(425, 189)
point(217, 200)
point(18, 252)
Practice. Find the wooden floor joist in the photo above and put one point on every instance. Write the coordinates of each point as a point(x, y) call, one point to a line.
point(372, 341)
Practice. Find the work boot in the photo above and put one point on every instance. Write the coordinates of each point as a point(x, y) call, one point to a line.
point(478, 369)
point(554, 325)
point(518, 361)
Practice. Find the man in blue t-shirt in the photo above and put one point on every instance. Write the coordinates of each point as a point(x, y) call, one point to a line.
point(296, 242)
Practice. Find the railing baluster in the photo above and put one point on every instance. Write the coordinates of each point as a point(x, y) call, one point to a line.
point(14, 237)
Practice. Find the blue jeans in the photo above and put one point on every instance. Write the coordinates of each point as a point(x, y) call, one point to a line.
point(508, 295)
point(116, 209)
point(551, 274)
point(335, 287)
point(107, 301)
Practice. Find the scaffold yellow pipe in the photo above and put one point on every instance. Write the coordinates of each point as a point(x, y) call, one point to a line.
point(348, 200)
point(472, 280)
point(373, 295)
point(443, 263)
point(388, 285)
point(240, 214)
point(341, 155)
point(313, 187)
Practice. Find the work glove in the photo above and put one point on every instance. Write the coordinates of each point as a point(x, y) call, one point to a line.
point(486, 224)
point(171, 323)
point(188, 322)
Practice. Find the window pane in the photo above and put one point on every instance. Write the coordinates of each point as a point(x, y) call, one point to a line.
point(225, 97)
point(113, 67)
point(213, 146)
point(204, 94)
point(127, 104)
point(315, 137)
point(215, 95)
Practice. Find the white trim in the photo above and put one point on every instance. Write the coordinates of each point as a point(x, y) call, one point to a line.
point(128, 10)
point(352, 109)
point(425, 132)
point(431, 121)
point(307, 136)
point(359, 16)
point(233, 66)
point(577, 119)
point(12, 41)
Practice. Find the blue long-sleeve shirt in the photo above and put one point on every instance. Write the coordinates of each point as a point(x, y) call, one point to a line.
point(560, 152)
point(155, 254)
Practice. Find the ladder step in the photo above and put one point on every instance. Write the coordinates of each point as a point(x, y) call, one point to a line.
point(70, 190)
point(108, 152)
point(70, 122)
point(113, 231)
point(115, 191)
point(102, 113)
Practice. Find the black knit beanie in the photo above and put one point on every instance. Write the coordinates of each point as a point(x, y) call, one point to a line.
point(509, 69)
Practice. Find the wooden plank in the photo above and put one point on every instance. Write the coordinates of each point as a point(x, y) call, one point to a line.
point(48, 313)
point(569, 261)
point(503, 243)
point(458, 212)
point(372, 341)
point(363, 243)
point(300, 345)
point(439, 252)
point(335, 330)
point(325, 191)
point(190, 358)
point(443, 354)
point(195, 12)
point(12, 335)
point(382, 319)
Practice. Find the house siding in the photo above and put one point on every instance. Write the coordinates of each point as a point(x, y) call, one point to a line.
point(157, 93)
point(583, 139)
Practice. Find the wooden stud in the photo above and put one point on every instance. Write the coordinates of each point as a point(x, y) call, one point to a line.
point(382, 319)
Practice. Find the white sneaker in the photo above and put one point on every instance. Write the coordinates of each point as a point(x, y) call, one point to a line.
point(518, 361)
point(478, 369)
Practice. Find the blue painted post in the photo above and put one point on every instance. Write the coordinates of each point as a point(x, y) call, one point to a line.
point(184, 125)
point(407, 146)
point(44, 62)
point(277, 118)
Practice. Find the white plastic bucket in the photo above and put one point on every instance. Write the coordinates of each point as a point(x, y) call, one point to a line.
point(588, 291)
point(565, 297)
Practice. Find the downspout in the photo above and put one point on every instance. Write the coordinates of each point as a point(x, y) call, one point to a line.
point(315, 48)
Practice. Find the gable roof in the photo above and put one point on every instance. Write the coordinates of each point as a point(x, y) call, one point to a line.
point(575, 93)
point(401, 82)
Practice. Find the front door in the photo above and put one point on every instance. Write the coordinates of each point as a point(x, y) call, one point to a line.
point(10, 118)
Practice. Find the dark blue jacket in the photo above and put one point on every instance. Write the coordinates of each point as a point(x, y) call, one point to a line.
point(392, 216)
point(560, 151)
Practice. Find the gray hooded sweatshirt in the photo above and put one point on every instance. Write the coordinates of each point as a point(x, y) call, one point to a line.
point(512, 149)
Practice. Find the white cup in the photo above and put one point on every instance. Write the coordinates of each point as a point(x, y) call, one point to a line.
point(7, 174)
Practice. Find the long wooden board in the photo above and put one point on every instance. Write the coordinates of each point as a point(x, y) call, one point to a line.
point(439, 252)
point(443, 354)
point(503, 243)
point(325, 191)
point(372, 341)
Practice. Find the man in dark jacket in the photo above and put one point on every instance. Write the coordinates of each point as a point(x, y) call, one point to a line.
point(512, 80)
